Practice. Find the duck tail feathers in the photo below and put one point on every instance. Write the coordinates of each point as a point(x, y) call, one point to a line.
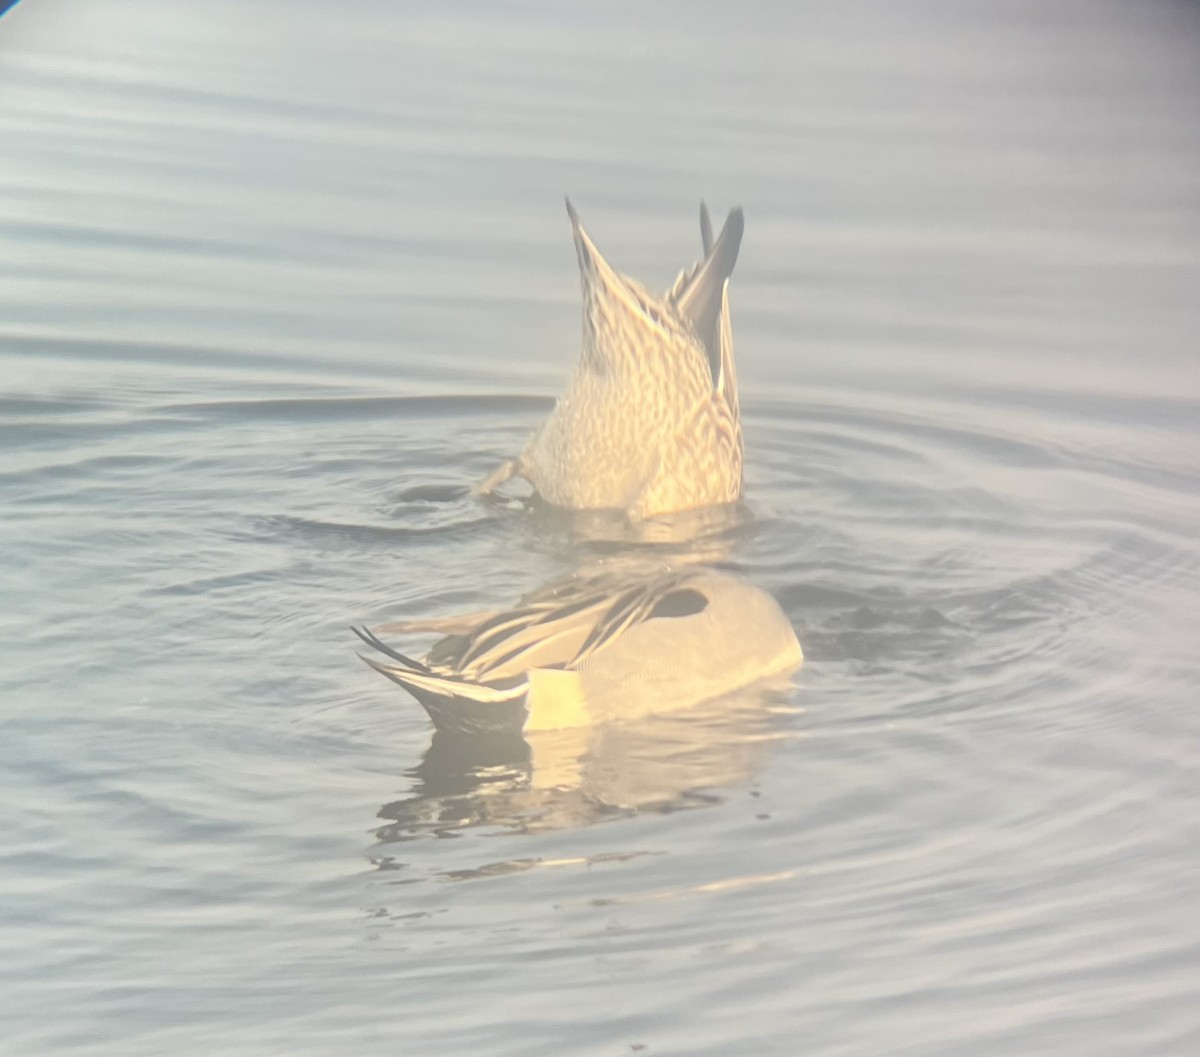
point(706, 238)
point(371, 640)
point(701, 295)
point(594, 270)
point(424, 682)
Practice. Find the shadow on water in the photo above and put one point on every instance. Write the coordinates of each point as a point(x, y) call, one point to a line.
point(554, 780)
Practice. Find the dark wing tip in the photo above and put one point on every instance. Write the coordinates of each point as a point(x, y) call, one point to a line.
point(371, 640)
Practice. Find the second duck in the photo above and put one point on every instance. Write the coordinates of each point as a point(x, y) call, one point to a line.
point(649, 423)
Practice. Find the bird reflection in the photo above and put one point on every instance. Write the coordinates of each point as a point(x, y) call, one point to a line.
point(570, 778)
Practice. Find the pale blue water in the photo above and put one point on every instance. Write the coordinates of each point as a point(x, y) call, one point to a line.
point(278, 282)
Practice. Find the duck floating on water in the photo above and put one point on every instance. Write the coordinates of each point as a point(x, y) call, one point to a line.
point(606, 643)
point(649, 423)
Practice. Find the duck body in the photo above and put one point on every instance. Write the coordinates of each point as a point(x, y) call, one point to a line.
point(649, 422)
point(608, 644)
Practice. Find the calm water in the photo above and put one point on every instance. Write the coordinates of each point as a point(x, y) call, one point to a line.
point(278, 281)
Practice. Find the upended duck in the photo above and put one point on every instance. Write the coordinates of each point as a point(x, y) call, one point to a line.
point(649, 423)
point(601, 645)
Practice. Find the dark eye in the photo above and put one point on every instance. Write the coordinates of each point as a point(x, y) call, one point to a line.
point(682, 603)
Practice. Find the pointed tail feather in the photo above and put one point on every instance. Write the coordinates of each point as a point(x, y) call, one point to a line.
point(415, 676)
point(701, 295)
point(727, 382)
point(592, 265)
point(448, 688)
point(706, 239)
point(369, 638)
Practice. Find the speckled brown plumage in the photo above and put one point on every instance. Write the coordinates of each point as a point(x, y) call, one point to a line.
point(649, 421)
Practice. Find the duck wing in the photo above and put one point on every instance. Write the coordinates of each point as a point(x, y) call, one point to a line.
point(559, 626)
point(563, 625)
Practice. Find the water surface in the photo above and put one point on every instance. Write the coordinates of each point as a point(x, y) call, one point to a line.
point(279, 282)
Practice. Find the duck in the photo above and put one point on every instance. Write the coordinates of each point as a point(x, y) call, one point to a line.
point(649, 423)
point(612, 642)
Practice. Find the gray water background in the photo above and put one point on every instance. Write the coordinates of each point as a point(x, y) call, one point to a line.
point(278, 281)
